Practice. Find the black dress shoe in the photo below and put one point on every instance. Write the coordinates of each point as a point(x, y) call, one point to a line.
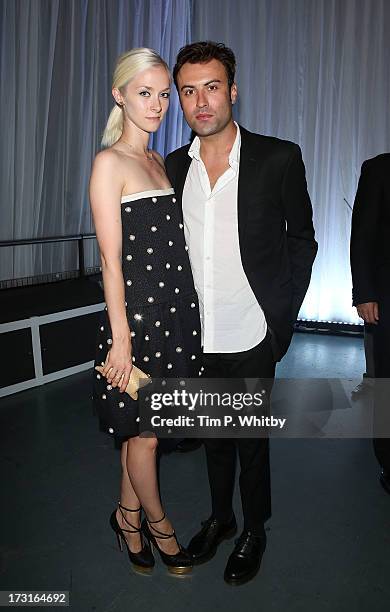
point(204, 544)
point(245, 560)
point(384, 479)
point(188, 445)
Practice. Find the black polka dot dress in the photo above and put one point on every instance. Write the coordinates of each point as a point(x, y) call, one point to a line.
point(161, 305)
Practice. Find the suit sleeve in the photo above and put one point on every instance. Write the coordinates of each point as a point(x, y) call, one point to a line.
point(365, 217)
point(302, 247)
point(169, 167)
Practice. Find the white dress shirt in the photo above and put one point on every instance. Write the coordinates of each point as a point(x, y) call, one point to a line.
point(232, 319)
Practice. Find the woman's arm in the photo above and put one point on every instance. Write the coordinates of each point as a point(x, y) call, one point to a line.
point(105, 195)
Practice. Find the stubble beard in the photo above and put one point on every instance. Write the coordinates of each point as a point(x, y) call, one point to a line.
point(210, 130)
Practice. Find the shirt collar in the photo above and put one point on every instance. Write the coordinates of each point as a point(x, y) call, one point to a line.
point(234, 156)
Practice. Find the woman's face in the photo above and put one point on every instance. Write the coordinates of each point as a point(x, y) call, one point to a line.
point(145, 99)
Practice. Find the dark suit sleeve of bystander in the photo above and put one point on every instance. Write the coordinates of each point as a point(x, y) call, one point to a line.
point(365, 220)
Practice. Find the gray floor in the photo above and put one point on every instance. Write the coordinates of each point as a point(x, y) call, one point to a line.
point(328, 545)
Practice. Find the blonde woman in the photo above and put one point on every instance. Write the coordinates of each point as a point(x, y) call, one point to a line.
point(151, 318)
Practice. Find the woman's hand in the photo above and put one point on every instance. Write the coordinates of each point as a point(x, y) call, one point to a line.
point(118, 365)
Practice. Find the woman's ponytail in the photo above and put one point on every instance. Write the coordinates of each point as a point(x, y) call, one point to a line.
point(114, 127)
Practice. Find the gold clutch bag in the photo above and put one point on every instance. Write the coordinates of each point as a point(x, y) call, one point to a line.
point(138, 379)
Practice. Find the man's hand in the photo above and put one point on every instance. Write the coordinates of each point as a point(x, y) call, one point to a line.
point(369, 312)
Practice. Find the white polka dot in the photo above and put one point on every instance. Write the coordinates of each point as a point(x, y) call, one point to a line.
point(163, 382)
point(132, 237)
point(100, 346)
point(129, 257)
point(121, 404)
point(149, 250)
point(137, 419)
point(192, 305)
point(174, 200)
point(157, 323)
point(129, 283)
point(186, 247)
point(102, 328)
point(173, 309)
point(146, 338)
point(167, 333)
point(153, 228)
point(169, 366)
point(132, 334)
point(109, 387)
point(167, 265)
point(146, 358)
point(168, 217)
point(98, 376)
point(158, 354)
point(180, 268)
point(133, 358)
point(177, 290)
point(104, 396)
point(150, 300)
point(154, 200)
point(194, 333)
point(178, 349)
point(161, 284)
point(128, 209)
point(110, 429)
point(109, 341)
point(149, 267)
point(102, 363)
point(193, 357)
point(170, 243)
point(181, 225)
point(138, 317)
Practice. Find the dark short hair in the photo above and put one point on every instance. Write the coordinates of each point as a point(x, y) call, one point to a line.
point(203, 52)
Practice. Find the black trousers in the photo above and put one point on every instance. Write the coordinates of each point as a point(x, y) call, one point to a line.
point(381, 333)
point(255, 486)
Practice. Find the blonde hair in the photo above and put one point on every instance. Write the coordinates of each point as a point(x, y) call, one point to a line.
point(127, 66)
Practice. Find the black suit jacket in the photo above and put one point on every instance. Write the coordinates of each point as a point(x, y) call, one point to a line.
point(370, 232)
point(275, 226)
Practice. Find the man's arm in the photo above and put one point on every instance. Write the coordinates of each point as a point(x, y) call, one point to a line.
point(169, 168)
point(302, 247)
point(365, 218)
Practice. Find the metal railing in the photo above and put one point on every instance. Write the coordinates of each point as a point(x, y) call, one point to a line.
point(70, 238)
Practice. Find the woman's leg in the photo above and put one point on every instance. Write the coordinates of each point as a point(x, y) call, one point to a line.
point(142, 475)
point(130, 500)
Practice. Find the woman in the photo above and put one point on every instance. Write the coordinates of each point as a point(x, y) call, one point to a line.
point(151, 318)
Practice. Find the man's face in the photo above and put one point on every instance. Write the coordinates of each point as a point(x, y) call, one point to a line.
point(205, 97)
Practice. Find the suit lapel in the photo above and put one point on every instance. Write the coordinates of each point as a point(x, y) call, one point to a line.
point(246, 179)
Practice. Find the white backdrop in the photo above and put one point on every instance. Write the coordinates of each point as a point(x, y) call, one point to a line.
point(315, 72)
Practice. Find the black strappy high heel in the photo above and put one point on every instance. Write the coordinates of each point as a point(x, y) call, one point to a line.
point(179, 563)
point(143, 561)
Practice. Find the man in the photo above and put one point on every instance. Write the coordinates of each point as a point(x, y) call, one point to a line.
point(248, 225)
point(370, 266)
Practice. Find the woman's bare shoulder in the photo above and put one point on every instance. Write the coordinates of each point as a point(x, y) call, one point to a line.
point(107, 158)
